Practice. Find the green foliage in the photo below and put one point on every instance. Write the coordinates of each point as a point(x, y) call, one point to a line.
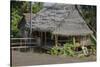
point(25, 7)
point(92, 48)
point(93, 41)
point(89, 14)
point(67, 50)
point(37, 7)
point(17, 10)
point(14, 22)
point(15, 17)
point(54, 51)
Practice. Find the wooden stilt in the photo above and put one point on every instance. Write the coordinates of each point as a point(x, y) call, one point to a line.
point(41, 37)
point(40, 33)
point(45, 38)
point(74, 43)
point(25, 44)
point(51, 36)
point(56, 40)
point(20, 44)
point(73, 40)
point(85, 50)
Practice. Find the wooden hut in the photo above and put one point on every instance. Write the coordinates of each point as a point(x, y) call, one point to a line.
point(57, 24)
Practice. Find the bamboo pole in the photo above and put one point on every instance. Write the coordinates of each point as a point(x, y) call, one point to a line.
point(73, 40)
point(56, 40)
point(40, 34)
point(45, 37)
point(25, 43)
point(20, 44)
point(51, 36)
point(30, 18)
point(41, 37)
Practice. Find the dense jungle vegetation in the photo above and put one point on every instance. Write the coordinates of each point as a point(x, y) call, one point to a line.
point(17, 10)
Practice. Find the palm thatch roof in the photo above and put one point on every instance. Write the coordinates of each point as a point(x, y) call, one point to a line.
point(61, 19)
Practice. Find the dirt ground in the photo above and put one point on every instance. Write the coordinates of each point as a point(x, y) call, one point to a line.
point(20, 58)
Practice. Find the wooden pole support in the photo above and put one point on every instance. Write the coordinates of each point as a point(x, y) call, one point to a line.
point(45, 38)
point(73, 40)
point(56, 40)
point(41, 37)
point(20, 44)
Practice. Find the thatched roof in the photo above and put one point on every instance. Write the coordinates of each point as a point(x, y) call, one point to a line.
point(59, 19)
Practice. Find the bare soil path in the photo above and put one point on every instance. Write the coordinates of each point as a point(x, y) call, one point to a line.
point(34, 58)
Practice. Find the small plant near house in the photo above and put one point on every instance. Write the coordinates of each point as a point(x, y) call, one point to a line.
point(56, 51)
point(67, 50)
point(92, 50)
point(92, 47)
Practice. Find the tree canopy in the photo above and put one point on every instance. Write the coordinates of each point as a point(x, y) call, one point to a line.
point(89, 14)
point(17, 10)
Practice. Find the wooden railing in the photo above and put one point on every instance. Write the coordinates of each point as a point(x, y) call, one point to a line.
point(22, 42)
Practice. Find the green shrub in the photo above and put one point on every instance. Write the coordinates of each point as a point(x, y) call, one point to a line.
point(54, 51)
point(92, 50)
point(67, 50)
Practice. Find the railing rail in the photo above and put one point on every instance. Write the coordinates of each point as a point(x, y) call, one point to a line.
point(22, 42)
point(21, 38)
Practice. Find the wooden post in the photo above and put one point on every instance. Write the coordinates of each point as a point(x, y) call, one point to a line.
point(51, 36)
point(40, 33)
point(73, 40)
point(45, 38)
point(25, 43)
point(20, 44)
point(56, 40)
point(41, 38)
point(85, 50)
